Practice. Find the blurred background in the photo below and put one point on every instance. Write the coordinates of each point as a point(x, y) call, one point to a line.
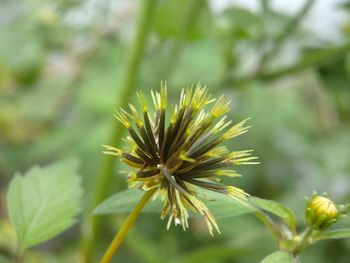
point(66, 65)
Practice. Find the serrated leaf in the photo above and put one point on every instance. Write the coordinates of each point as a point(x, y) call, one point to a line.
point(44, 202)
point(335, 234)
point(278, 257)
point(220, 205)
point(275, 208)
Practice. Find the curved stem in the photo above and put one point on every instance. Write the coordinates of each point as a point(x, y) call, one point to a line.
point(128, 223)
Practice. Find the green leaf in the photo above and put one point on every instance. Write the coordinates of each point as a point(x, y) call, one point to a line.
point(275, 208)
point(335, 234)
point(44, 202)
point(124, 202)
point(220, 205)
point(278, 257)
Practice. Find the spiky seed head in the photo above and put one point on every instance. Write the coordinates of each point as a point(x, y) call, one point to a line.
point(181, 155)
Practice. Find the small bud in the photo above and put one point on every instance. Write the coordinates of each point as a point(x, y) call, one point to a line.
point(321, 213)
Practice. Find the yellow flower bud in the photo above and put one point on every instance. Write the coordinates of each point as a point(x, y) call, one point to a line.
point(321, 212)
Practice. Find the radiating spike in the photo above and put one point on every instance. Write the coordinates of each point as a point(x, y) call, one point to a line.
point(122, 117)
point(221, 107)
point(236, 130)
point(178, 159)
point(142, 101)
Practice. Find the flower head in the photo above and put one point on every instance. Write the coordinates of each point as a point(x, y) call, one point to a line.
point(321, 212)
point(180, 155)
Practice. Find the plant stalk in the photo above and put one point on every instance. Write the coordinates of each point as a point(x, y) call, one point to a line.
point(285, 33)
point(18, 257)
point(189, 21)
point(128, 223)
point(92, 225)
point(299, 66)
point(304, 242)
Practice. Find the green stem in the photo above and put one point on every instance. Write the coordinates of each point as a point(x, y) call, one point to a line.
point(336, 52)
point(285, 33)
point(265, 6)
point(294, 22)
point(304, 242)
point(304, 64)
point(128, 223)
point(19, 256)
point(92, 226)
point(189, 21)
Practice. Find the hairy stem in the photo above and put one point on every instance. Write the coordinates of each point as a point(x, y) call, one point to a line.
point(128, 223)
point(92, 226)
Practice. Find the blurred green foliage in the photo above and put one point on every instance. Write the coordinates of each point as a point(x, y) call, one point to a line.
point(61, 68)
